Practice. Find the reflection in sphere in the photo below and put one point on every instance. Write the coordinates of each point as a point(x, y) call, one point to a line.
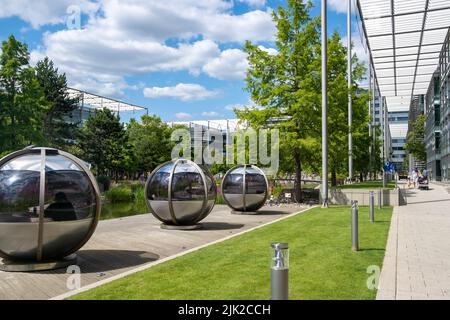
point(180, 192)
point(49, 205)
point(249, 198)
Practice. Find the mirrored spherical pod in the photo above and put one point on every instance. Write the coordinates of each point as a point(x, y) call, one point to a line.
point(180, 193)
point(245, 188)
point(49, 205)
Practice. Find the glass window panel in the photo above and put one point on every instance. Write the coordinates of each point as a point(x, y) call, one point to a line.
point(69, 193)
point(187, 183)
point(19, 189)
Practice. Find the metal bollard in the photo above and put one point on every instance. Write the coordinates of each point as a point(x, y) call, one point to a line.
point(279, 273)
point(355, 240)
point(379, 199)
point(372, 207)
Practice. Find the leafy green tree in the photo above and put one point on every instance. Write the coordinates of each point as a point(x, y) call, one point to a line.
point(150, 141)
point(415, 140)
point(103, 142)
point(58, 129)
point(22, 101)
point(338, 109)
point(286, 86)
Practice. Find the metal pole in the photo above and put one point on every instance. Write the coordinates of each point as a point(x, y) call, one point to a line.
point(279, 272)
point(324, 106)
point(373, 120)
point(383, 125)
point(370, 122)
point(379, 199)
point(349, 82)
point(372, 207)
point(355, 240)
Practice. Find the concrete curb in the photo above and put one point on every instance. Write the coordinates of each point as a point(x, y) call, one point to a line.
point(154, 263)
point(387, 284)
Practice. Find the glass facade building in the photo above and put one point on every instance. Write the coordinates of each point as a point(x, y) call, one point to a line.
point(437, 136)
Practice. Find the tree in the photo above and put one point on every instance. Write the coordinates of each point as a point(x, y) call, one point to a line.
point(415, 140)
point(103, 142)
point(286, 86)
point(151, 142)
point(22, 101)
point(58, 129)
point(338, 109)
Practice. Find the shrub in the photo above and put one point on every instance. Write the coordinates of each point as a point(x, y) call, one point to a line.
point(138, 192)
point(119, 194)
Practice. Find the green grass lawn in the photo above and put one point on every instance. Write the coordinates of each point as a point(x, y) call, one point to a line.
point(368, 185)
point(322, 264)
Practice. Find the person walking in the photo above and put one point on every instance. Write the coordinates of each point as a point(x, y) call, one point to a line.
point(414, 177)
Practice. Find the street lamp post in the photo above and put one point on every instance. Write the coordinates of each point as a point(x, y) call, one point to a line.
point(324, 106)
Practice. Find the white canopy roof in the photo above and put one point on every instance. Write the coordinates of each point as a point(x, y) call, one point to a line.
point(405, 39)
point(221, 125)
point(94, 101)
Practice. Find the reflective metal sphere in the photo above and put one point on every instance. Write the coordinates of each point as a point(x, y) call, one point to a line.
point(249, 198)
point(49, 204)
point(180, 192)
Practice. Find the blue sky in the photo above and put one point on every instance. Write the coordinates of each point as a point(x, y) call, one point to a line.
point(179, 58)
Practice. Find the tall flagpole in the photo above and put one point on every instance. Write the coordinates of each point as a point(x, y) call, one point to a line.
point(349, 80)
point(324, 106)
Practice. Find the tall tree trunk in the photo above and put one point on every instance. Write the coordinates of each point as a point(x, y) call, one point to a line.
point(298, 178)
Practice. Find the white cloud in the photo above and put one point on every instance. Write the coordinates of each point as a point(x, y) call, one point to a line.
point(236, 106)
point(210, 114)
point(182, 91)
point(270, 51)
point(254, 3)
point(112, 46)
point(232, 64)
point(183, 115)
point(39, 13)
point(338, 5)
point(341, 6)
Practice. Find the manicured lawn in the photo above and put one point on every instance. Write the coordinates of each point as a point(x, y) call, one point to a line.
point(368, 185)
point(322, 264)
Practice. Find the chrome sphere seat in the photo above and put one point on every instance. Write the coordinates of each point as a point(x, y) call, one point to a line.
point(49, 205)
point(180, 193)
point(245, 188)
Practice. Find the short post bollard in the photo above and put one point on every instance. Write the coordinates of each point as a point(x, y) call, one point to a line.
point(355, 240)
point(379, 199)
point(279, 273)
point(372, 207)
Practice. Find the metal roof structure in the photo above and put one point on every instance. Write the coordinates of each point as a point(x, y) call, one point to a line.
point(405, 38)
point(94, 101)
point(221, 125)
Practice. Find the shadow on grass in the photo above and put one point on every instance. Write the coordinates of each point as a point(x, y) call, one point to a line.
point(371, 249)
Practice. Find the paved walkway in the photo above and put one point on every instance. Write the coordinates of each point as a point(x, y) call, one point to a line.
point(417, 260)
point(121, 245)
